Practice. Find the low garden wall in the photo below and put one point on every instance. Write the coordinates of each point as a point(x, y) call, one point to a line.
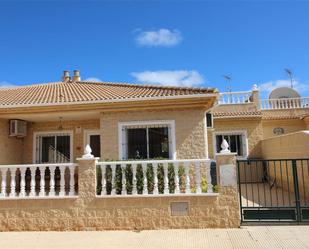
point(87, 211)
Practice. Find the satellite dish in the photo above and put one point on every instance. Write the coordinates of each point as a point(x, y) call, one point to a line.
point(284, 93)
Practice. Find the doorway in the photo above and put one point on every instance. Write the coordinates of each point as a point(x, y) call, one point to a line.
point(93, 138)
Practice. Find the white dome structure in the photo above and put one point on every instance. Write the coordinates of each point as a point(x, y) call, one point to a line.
point(284, 93)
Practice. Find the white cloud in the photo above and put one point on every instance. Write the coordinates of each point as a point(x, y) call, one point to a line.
point(5, 84)
point(267, 87)
point(170, 78)
point(93, 79)
point(161, 37)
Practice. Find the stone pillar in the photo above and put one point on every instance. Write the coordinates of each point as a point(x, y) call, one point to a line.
point(87, 176)
point(226, 169)
point(256, 96)
point(227, 186)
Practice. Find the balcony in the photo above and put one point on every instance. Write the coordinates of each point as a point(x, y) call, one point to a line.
point(229, 98)
point(287, 103)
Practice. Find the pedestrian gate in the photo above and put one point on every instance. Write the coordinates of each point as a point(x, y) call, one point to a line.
point(274, 190)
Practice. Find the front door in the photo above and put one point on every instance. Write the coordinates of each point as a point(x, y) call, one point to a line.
point(93, 138)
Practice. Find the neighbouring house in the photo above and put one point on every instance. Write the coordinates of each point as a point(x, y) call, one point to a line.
point(244, 120)
point(270, 138)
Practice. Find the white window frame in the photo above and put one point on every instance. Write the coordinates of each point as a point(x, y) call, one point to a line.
point(42, 133)
point(243, 133)
point(171, 135)
point(90, 132)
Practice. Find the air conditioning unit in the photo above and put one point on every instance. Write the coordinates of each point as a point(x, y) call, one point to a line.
point(18, 128)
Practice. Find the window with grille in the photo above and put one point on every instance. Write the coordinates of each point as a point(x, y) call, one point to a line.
point(53, 148)
point(151, 141)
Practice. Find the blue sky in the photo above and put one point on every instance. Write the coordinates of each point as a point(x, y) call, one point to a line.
point(189, 43)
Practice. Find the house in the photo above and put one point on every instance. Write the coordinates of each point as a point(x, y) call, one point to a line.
point(149, 154)
point(119, 121)
point(147, 165)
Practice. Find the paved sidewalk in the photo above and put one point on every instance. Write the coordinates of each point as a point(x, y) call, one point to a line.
point(273, 237)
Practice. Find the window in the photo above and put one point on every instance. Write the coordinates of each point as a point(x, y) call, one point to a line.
point(147, 140)
point(236, 140)
point(209, 120)
point(53, 148)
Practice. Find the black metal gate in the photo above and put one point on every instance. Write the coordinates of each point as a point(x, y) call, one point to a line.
point(274, 190)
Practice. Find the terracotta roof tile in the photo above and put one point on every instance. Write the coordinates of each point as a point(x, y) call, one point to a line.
point(82, 91)
point(235, 114)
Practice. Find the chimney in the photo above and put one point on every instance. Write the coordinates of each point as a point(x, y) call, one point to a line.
point(66, 76)
point(76, 76)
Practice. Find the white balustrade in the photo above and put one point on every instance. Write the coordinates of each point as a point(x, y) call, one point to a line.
point(166, 186)
point(134, 181)
point(228, 98)
point(30, 181)
point(284, 103)
point(156, 178)
point(3, 181)
point(113, 179)
point(13, 184)
point(145, 185)
point(103, 181)
point(124, 182)
point(72, 180)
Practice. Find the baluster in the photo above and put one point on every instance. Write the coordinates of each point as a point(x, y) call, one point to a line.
point(103, 180)
point(42, 181)
point(113, 192)
point(166, 185)
point(124, 183)
point(3, 182)
point(22, 182)
point(176, 171)
point(145, 185)
point(52, 181)
point(198, 177)
point(13, 183)
point(72, 180)
point(32, 181)
point(208, 177)
point(187, 170)
point(62, 181)
point(155, 179)
point(134, 190)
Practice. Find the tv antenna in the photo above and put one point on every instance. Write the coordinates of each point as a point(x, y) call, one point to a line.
point(290, 73)
point(228, 79)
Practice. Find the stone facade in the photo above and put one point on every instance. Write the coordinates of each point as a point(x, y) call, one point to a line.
point(88, 212)
point(288, 125)
point(253, 127)
point(280, 146)
point(10, 147)
point(190, 129)
point(77, 127)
